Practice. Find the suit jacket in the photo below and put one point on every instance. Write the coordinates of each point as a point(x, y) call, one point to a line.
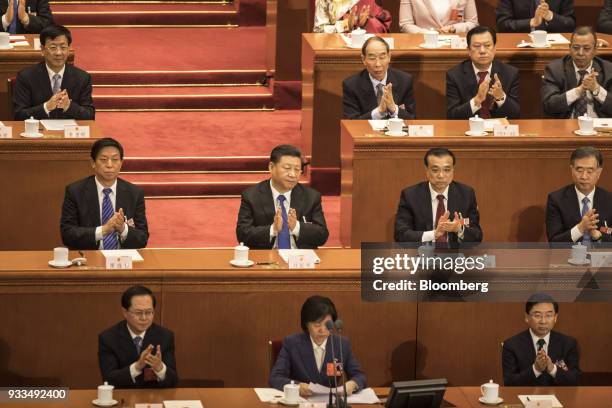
point(81, 214)
point(560, 77)
point(417, 16)
point(513, 16)
point(257, 211)
point(563, 213)
point(359, 98)
point(518, 355)
point(116, 352)
point(296, 361)
point(414, 212)
point(604, 24)
point(40, 16)
point(462, 86)
point(33, 88)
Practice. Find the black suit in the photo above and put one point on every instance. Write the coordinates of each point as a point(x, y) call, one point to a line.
point(81, 214)
point(604, 24)
point(560, 77)
point(116, 352)
point(33, 88)
point(462, 86)
point(359, 98)
point(518, 356)
point(563, 212)
point(513, 16)
point(256, 215)
point(414, 212)
point(40, 16)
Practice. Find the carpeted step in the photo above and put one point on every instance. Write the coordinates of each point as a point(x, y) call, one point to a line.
point(202, 164)
point(195, 77)
point(183, 98)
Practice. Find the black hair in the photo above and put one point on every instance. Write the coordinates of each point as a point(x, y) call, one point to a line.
point(587, 151)
point(438, 152)
point(584, 30)
point(284, 150)
point(53, 31)
point(316, 308)
point(105, 142)
point(136, 290)
point(480, 30)
point(540, 298)
point(367, 42)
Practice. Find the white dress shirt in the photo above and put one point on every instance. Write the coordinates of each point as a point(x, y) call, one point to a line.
point(51, 74)
point(113, 198)
point(572, 95)
point(319, 353)
point(430, 236)
point(441, 8)
point(376, 115)
point(575, 232)
point(473, 105)
point(535, 339)
point(295, 233)
point(134, 372)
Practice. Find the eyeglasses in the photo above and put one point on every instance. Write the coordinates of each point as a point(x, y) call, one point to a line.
point(54, 48)
point(142, 313)
point(540, 316)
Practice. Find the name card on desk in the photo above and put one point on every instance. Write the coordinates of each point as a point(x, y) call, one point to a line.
point(119, 262)
point(458, 43)
point(6, 132)
point(505, 130)
point(421, 130)
point(301, 261)
point(76, 132)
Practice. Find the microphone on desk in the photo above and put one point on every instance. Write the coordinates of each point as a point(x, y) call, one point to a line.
point(339, 326)
point(329, 325)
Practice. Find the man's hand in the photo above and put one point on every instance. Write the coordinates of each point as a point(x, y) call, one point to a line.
point(64, 102)
point(550, 366)
point(142, 360)
point(353, 18)
point(291, 219)
point(351, 386)
point(364, 15)
point(589, 221)
point(483, 89)
point(388, 97)
point(119, 221)
point(541, 363)
point(304, 390)
point(439, 231)
point(21, 13)
point(278, 221)
point(496, 90)
point(382, 105)
point(589, 82)
point(9, 12)
point(52, 103)
point(544, 11)
point(155, 360)
point(451, 226)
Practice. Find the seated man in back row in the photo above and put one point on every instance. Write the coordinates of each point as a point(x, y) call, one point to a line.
point(25, 16)
point(53, 89)
point(523, 16)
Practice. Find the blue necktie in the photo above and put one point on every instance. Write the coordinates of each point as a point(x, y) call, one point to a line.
point(110, 241)
point(586, 238)
point(13, 25)
point(138, 343)
point(284, 240)
point(56, 84)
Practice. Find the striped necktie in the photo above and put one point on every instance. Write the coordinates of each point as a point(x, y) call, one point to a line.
point(110, 241)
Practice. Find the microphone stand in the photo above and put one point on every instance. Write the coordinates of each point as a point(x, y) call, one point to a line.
point(345, 403)
point(330, 326)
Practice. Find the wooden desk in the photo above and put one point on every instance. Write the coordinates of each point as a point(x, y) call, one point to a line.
point(512, 176)
point(13, 61)
point(570, 397)
point(326, 62)
point(36, 172)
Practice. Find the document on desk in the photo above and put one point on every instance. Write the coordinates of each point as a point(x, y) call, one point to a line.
point(271, 395)
point(145, 405)
point(378, 124)
point(557, 39)
point(284, 253)
point(136, 257)
point(552, 398)
point(321, 394)
point(183, 404)
point(57, 124)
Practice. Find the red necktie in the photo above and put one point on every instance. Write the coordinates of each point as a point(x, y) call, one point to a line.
point(439, 213)
point(485, 112)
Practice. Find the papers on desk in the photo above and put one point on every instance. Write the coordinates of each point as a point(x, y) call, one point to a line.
point(145, 405)
point(602, 122)
point(347, 40)
point(321, 394)
point(552, 398)
point(183, 404)
point(271, 395)
point(284, 253)
point(17, 37)
point(134, 254)
point(378, 125)
point(57, 124)
point(556, 39)
point(20, 44)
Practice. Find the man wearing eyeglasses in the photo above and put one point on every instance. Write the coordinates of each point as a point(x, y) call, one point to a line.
point(136, 352)
point(579, 83)
point(53, 89)
point(439, 210)
point(581, 212)
point(540, 356)
point(280, 212)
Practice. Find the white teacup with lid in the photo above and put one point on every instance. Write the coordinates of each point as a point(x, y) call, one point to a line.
point(476, 125)
point(358, 38)
point(241, 254)
point(490, 392)
point(292, 393)
point(431, 38)
point(105, 396)
point(31, 126)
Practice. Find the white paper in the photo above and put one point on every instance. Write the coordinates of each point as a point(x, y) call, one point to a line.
point(17, 37)
point(557, 39)
point(602, 122)
point(145, 405)
point(378, 125)
point(506, 130)
point(552, 398)
point(420, 130)
point(20, 44)
point(284, 253)
point(6, 132)
point(136, 257)
point(346, 37)
point(321, 394)
point(268, 394)
point(600, 259)
point(183, 404)
point(57, 124)
point(75, 131)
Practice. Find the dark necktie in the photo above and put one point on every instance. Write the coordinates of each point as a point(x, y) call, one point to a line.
point(284, 240)
point(110, 241)
point(439, 213)
point(379, 92)
point(586, 237)
point(56, 84)
point(13, 25)
point(138, 343)
point(541, 343)
point(580, 108)
point(485, 108)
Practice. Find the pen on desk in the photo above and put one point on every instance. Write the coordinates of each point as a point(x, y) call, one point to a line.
point(304, 218)
point(528, 399)
point(82, 254)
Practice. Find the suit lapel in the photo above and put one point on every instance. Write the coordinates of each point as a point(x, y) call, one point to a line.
point(307, 353)
point(432, 12)
point(266, 200)
point(92, 200)
point(470, 78)
point(121, 200)
point(367, 89)
point(529, 347)
point(297, 200)
point(554, 347)
point(426, 208)
point(571, 202)
point(45, 82)
point(128, 342)
point(570, 74)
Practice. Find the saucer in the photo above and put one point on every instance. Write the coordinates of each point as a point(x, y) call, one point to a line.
point(499, 401)
point(59, 265)
point(242, 264)
point(354, 47)
point(31, 136)
point(429, 47)
point(470, 133)
point(538, 46)
point(402, 133)
point(577, 262)
point(289, 404)
point(582, 133)
point(99, 403)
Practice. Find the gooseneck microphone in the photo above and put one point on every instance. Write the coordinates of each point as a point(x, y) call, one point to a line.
point(330, 327)
point(339, 326)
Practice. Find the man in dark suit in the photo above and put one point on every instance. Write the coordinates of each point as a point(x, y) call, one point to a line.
point(523, 16)
point(137, 353)
point(438, 210)
point(25, 16)
point(377, 92)
point(280, 212)
point(604, 24)
point(305, 356)
point(103, 211)
point(539, 356)
point(53, 89)
point(581, 211)
point(482, 85)
point(579, 83)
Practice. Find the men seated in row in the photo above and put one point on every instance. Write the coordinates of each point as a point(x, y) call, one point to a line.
point(341, 16)
point(378, 91)
point(280, 212)
point(578, 211)
point(540, 356)
point(604, 23)
point(445, 16)
point(523, 16)
point(438, 210)
point(53, 89)
point(578, 83)
point(136, 352)
point(103, 211)
point(304, 357)
point(25, 16)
